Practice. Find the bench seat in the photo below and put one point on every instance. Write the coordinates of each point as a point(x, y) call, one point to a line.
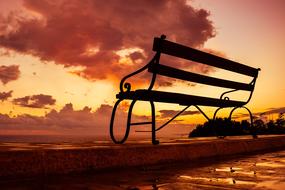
point(182, 99)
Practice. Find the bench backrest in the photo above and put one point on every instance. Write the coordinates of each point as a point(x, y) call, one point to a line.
point(161, 45)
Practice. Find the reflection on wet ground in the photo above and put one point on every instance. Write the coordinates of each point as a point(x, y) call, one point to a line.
point(262, 171)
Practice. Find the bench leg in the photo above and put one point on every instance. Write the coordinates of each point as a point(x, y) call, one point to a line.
point(112, 126)
point(130, 116)
point(153, 130)
point(216, 132)
point(215, 114)
point(252, 131)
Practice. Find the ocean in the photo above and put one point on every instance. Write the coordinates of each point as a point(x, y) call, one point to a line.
point(77, 138)
point(51, 138)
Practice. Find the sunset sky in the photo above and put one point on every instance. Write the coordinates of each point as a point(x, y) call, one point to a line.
point(61, 61)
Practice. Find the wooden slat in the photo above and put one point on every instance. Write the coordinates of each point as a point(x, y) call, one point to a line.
point(178, 50)
point(182, 99)
point(189, 76)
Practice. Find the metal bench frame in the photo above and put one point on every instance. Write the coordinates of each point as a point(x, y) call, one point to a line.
point(167, 47)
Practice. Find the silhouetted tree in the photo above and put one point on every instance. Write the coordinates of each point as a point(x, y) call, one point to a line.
point(280, 122)
point(222, 127)
point(271, 125)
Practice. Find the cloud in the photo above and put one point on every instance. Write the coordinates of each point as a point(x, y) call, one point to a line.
point(65, 121)
point(274, 110)
point(53, 122)
point(5, 95)
point(259, 115)
point(90, 33)
point(35, 101)
point(171, 113)
point(69, 121)
point(9, 73)
point(87, 122)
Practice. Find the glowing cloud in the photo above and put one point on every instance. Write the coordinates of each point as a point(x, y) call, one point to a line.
point(90, 33)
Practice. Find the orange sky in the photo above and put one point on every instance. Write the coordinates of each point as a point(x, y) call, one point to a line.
point(53, 53)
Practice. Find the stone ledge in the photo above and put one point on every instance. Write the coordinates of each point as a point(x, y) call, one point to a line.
point(32, 162)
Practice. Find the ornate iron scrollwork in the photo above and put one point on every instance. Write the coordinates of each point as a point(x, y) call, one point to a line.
point(126, 86)
point(226, 97)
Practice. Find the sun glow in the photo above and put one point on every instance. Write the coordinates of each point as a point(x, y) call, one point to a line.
point(125, 55)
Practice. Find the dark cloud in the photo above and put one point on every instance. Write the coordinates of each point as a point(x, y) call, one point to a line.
point(136, 56)
point(171, 113)
point(9, 73)
point(35, 101)
point(5, 95)
point(89, 33)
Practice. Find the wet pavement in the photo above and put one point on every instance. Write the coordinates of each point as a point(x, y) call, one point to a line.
point(261, 171)
point(26, 146)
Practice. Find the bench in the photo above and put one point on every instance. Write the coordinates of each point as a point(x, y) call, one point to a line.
point(163, 46)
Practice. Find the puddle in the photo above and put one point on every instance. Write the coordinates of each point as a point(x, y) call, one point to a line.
point(271, 171)
point(229, 180)
point(272, 185)
point(15, 149)
point(15, 144)
point(236, 170)
point(270, 164)
point(248, 173)
point(228, 169)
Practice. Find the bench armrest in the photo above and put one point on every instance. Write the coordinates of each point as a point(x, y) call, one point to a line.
point(223, 97)
point(126, 87)
point(224, 93)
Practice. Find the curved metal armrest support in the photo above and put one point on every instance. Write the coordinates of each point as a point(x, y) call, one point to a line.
point(125, 86)
point(227, 98)
point(253, 85)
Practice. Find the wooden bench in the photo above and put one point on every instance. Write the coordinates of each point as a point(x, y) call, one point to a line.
point(162, 46)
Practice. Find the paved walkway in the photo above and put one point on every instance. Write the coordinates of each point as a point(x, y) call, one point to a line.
point(262, 171)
